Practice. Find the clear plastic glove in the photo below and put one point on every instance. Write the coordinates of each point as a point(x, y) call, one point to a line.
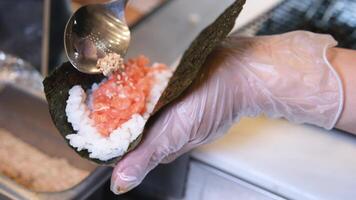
point(285, 75)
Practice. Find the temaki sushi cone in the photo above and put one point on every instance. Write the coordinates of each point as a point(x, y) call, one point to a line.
point(65, 82)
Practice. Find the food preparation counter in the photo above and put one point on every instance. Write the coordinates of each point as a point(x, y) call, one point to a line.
point(293, 161)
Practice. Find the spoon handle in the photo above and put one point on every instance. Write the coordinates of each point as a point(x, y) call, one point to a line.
point(120, 2)
point(118, 8)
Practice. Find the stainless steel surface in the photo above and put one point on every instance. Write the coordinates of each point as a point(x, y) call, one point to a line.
point(24, 113)
point(45, 37)
point(16, 71)
point(95, 30)
point(208, 183)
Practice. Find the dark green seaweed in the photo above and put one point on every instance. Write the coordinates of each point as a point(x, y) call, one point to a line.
point(195, 56)
point(63, 78)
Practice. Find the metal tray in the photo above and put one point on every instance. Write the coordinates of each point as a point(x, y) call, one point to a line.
point(24, 113)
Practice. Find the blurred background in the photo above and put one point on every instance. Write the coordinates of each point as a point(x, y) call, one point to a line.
point(34, 158)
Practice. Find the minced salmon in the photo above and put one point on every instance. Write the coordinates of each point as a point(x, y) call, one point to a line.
point(124, 93)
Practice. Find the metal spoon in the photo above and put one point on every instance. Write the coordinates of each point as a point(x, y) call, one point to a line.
point(94, 31)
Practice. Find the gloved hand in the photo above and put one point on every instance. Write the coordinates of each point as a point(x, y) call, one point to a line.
point(285, 75)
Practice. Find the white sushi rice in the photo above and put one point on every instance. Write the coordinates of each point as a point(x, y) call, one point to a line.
point(87, 136)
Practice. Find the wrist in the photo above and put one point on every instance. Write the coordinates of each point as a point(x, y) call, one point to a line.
point(344, 62)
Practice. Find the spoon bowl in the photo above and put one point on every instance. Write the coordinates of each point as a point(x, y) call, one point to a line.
point(94, 31)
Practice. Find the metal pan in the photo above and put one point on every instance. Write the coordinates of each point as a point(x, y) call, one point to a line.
point(24, 113)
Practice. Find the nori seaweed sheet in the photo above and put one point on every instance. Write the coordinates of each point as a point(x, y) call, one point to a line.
point(195, 56)
point(63, 78)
